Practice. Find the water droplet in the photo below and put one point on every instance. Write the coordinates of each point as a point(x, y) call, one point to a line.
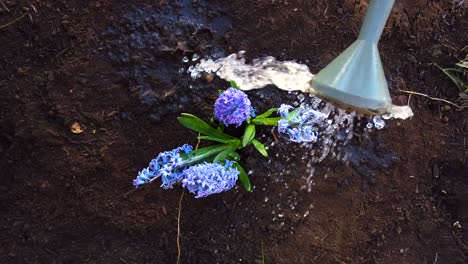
point(369, 125)
point(185, 59)
point(379, 123)
point(301, 97)
point(195, 57)
point(182, 70)
point(387, 116)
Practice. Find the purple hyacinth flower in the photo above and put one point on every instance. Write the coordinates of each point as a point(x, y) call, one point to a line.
point(302, 134)
point(210, 178)
point(283, 110)
point(168, 165)
point(232, 107)
point(299, 127)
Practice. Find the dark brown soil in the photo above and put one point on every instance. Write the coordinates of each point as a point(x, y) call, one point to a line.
point(112, 66)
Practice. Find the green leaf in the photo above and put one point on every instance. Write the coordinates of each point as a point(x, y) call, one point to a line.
point(223, 154)
point(198, 125)
point(249, 134)
point(235, 156)
point(260, 147)
point(243, 177)
point(233, 84)
point(272, 121)
point(204, 154)
point(214, 139)
point(293, 114)
point(267, 113)
point(453, 77)
point(204, 150)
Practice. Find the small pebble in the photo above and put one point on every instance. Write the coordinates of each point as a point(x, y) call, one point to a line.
point(446, 108)
point(209, 77)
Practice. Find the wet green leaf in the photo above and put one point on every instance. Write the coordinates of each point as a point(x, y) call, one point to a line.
point(243, 177)
point(205, 154)
point(271, 121)
point(293, 114)
point(267, 113)
point(233, 84)
point(214, 139)
point(235, 156)
point(249, 134)
point(223, 154)
point(198, 125)
point(260, 147)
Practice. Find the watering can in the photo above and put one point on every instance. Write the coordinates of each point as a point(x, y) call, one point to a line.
point(355, 79)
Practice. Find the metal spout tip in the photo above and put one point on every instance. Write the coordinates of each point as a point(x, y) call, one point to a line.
point(355, 78)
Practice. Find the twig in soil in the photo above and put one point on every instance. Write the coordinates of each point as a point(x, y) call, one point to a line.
point(409, 99)
point(198, 143)
point(263, 255)
point(178, 226)
point(432, 98)
point(16, 20)
point(275, 137)
point(4, 6)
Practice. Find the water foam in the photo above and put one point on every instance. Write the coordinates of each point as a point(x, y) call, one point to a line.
point(286, 75)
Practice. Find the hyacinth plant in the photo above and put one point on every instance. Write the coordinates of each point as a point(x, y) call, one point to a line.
point(215, 169)
point(299, 123)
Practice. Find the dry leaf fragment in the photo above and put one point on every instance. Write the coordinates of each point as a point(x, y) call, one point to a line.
point(76, 128)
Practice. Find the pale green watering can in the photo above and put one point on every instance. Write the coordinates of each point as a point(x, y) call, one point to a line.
point(356, 78)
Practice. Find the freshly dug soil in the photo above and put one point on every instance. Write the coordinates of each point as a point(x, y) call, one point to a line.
point(113, 69)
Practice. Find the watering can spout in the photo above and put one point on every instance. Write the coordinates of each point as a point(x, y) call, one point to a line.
point(356, 77)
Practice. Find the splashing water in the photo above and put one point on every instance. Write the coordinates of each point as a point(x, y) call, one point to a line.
point(286, 75)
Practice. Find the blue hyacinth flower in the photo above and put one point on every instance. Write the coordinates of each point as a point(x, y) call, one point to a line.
point(299, 125)
point(168, 165)
point(233, 107)
point(210, 178)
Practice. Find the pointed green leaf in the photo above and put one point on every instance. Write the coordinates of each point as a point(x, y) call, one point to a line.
point(233, 84)
point(272, 121)
point(204, 154)
point(267, 113)
point(223, 154)
point(235, 156)
point(293, 114)
point(260, 147)
point(204, 150)
point(249, 134)
point(243, 177)
point(214, 139)
point(198, 125)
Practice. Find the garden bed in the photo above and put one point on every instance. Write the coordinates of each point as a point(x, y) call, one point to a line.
point(114, 68)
